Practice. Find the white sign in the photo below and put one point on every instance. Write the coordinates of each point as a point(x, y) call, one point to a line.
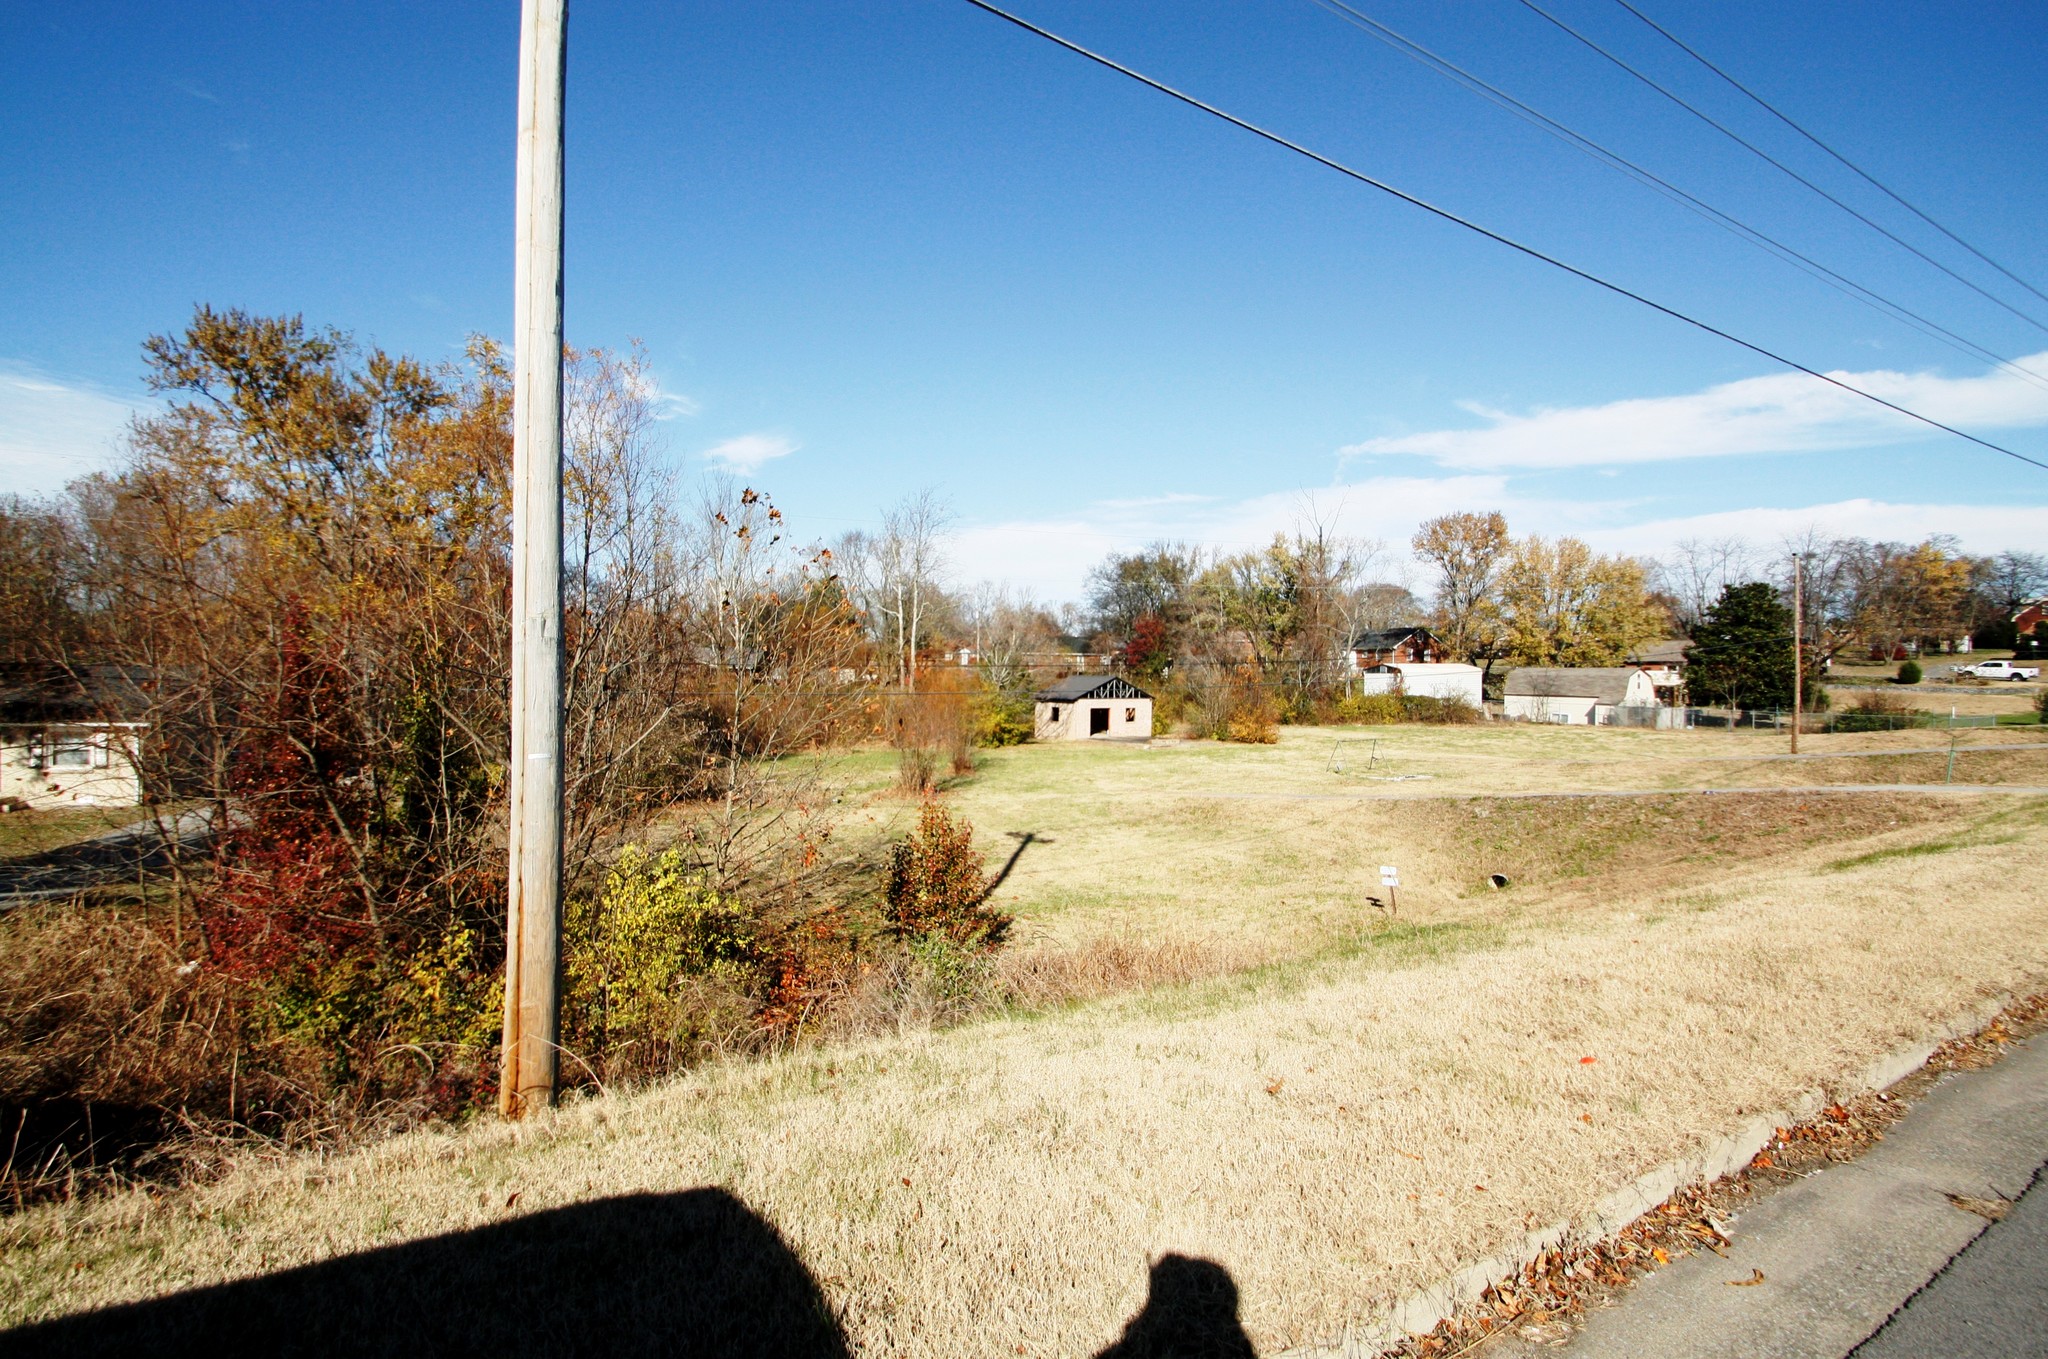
point(1389, 876)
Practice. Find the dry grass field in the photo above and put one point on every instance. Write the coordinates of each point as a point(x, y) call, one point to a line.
point(1334, 1106)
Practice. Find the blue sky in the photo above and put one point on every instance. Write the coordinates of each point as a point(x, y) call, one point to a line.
point(877, 247)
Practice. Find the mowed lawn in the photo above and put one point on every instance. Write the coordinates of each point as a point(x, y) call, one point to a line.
point(1338, 1111)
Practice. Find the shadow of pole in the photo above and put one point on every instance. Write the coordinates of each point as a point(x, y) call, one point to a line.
point(1190, 1312)
point(686, 1274)
point(1024, 839)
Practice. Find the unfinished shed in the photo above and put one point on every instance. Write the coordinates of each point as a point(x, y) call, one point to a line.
point(1092, 707)
point(1587, 696)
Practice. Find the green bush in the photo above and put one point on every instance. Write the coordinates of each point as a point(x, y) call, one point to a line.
point(1372, 710)
point(1909, 672)
point(1002, 719)
point(1438, 711)
point(1378, 710)
point(2041, 705)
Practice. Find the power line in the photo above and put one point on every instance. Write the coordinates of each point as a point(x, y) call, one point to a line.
point(1447, 215)
point(1764, 155)
point(1869, 297)
point(1867, 177)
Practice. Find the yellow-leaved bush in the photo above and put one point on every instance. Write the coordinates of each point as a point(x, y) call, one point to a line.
point(659, 967)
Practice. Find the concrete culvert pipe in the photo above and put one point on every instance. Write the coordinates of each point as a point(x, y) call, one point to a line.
point(1496, 880)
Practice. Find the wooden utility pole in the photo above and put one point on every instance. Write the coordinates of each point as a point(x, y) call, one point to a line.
point(533, 926)
point(1798, 653)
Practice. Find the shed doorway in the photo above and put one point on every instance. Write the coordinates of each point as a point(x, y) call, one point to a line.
point(1098, 721)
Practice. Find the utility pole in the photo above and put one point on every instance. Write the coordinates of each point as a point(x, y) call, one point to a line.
point(1798, 652)
point(533, 925)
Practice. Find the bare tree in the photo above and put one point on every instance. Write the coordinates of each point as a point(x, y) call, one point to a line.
point(897, 576)
point(1008, 626)
point(1697, 570)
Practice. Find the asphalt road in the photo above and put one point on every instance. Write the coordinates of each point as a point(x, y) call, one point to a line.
point(1876, 1257)
point(1990, 1302)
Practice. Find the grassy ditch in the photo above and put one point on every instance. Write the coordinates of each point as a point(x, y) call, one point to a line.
point(1327, 1135)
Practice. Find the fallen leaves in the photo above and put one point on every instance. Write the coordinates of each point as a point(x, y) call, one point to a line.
point(1561, 1282)
point(1991, 1210)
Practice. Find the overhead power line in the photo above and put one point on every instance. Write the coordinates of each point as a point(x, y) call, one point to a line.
point(1865, 175)
point(1767, 157)
point(1447, 215)
point(1869, 297)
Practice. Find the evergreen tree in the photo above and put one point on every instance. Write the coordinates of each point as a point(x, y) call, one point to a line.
point(1741, 652)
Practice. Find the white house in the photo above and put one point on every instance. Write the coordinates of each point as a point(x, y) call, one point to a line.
point(71, 736)
point(1590, 696)
point(1098, 707)
point(1419, 680)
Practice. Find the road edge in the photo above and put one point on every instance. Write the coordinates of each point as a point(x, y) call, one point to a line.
point(1424, 1310)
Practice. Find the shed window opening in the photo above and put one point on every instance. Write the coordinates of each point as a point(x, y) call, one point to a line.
point(1055, 712)
point(1130, 714)
point(71, 752)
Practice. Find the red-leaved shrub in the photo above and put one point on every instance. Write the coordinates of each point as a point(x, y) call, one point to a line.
point(936, 884)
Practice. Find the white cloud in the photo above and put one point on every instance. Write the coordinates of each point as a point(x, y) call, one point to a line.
point(749, 451)
point(52, 431)
point(1982, 528)
point(666, 405)
point(1782, 413)
point(1051, 556)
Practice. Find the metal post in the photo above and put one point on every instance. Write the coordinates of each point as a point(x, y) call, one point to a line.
point(534, 896)
point(1798, 657)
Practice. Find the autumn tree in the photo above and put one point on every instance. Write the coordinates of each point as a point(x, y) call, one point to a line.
point(1561, 604)
point(41, 574)
point(1150, 590)
point(1466, 551)
point(1901, 593)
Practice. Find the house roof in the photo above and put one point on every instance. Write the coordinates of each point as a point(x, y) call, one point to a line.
point(1386, 639)
point(1424, 668)
point(1663, 653)
point(1076, 687)
point(1602, 684)
point(35, 694)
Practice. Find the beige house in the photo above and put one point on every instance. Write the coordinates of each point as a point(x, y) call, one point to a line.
point(1589, 696)
point(1092, 707)
point(70, 736)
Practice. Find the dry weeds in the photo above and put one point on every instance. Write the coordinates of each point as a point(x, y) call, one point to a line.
point(1335, 1133)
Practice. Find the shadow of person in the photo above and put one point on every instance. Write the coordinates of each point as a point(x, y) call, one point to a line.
point(1190, 1312)
point(686, 1274)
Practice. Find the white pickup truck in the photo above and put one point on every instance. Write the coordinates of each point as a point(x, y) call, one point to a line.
point(2004, 670)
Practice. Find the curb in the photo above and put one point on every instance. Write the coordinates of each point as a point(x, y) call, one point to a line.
point(1420, 1312)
